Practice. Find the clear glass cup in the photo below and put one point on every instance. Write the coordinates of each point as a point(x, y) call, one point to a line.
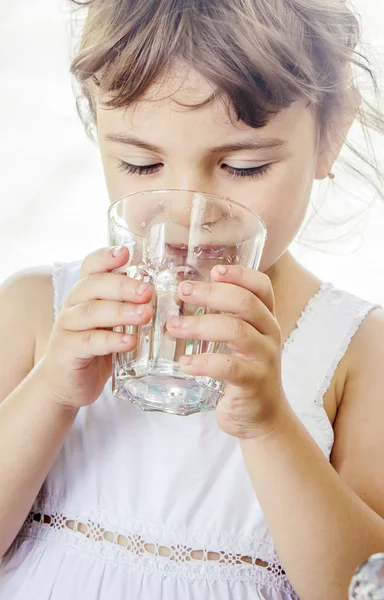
point(368, 580)
point(172, 236)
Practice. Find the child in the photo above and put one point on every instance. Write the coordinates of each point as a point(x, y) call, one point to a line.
point(279, 493)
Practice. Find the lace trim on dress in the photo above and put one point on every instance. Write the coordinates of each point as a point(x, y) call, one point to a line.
point(324, 429)
point(355, 324)
point(308, 310)
point(58, 274)
point(136, 550)
point(323, 425)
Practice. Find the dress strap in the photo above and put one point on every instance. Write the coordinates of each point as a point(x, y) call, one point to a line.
point(64, 278)
point(320, 341)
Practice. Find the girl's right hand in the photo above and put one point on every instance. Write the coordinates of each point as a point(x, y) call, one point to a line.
point(78, 363)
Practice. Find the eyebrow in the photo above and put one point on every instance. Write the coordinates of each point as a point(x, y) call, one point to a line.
point(247, 144)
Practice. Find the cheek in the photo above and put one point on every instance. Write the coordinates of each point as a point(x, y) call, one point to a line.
point(113, 177)
point(285, 210)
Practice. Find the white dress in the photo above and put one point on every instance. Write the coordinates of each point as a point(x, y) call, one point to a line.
point(152, 506)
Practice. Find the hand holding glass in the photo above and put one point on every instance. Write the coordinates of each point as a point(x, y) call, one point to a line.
point(173, 236)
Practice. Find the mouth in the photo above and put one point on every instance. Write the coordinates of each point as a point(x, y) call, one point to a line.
point(201, 252)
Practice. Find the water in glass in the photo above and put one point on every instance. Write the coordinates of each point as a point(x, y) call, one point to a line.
point(168, 246)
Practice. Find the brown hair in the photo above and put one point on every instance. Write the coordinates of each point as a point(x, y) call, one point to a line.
point(259, 55)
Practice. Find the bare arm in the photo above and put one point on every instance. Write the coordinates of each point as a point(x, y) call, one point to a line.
point(37, 415)
point(32, 426)
point(326, 520)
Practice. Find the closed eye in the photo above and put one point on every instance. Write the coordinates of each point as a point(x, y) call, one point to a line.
point(251, 172)
point(136, 170)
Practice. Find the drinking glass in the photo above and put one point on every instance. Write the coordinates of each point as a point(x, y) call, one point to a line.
point(368, 581)
point(172, 236)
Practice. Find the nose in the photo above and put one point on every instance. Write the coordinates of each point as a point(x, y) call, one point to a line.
point(200, 209)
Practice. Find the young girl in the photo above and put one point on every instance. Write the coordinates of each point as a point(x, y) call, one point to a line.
point(278, 494)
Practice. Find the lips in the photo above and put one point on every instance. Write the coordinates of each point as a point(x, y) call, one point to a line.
point(201, 252)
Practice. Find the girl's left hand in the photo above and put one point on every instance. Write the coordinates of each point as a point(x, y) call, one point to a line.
point(254, 402)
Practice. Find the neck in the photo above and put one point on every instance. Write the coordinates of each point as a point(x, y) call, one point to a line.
point(283, 273)
point(293, 287)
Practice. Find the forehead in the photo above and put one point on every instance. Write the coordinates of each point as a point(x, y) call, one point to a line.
point(184, 102)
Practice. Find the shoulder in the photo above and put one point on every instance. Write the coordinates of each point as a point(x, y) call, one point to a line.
point(364, 384)
point(366, 352)
point(354, 326)
point(30, 288)
point(364, 349)
point(26, 316)
point(358, 453)
point(343, 324)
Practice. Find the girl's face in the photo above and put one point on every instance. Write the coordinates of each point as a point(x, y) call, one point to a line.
point(157, 144)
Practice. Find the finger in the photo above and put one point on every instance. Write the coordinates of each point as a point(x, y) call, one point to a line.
point(230, 298)
point(104, 260)
point(236, 333)
point(109, 286)
point(88, 344)
point(103, 313)
point(256, 282)
point(222, 367)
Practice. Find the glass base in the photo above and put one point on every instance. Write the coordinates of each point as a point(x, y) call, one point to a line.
point(178, 395)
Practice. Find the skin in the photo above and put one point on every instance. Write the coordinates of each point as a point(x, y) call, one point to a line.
point(280, 197)
point(61, 368)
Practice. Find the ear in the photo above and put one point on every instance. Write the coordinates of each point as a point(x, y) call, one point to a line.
point(334, 139)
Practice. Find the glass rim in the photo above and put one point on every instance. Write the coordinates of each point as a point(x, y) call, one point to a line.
point(193, 192)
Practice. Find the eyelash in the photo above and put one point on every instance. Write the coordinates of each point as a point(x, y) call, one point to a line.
point(231, 171)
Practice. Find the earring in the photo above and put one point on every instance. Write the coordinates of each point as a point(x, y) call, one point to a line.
point(331, 175)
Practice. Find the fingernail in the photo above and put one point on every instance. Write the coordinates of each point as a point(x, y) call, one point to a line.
point(141, 289)
point(117, 251)
point(187, 289)
point(222, 270)
point(140, 309)
point(176, 322)
point(186, 360)
point(126, 339)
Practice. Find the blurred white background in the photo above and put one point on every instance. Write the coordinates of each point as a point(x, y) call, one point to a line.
point(53, 199)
